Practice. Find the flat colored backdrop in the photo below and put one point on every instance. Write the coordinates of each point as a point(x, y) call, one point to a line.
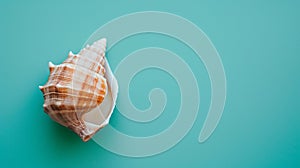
point(258, 42)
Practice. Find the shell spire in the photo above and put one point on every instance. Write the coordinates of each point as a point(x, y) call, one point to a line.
point(76, 89)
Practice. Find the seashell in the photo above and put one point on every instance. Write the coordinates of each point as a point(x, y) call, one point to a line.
point(81, 92)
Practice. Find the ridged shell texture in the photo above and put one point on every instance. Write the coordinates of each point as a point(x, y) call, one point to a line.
point(75, 87)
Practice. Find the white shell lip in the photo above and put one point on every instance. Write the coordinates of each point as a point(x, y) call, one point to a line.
point(99, 117)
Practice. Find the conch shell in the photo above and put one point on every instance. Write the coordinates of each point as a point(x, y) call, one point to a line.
point(81, 92)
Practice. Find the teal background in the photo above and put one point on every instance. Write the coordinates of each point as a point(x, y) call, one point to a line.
point(258, 42)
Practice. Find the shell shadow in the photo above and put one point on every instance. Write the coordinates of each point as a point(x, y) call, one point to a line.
point(32, 139)
point(57, 137)
point(58, 142)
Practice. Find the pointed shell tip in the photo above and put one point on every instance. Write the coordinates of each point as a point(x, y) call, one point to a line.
point(70, 53)
point(51, 64)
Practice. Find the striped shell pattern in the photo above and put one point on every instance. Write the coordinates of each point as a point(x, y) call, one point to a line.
point(75, 91)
